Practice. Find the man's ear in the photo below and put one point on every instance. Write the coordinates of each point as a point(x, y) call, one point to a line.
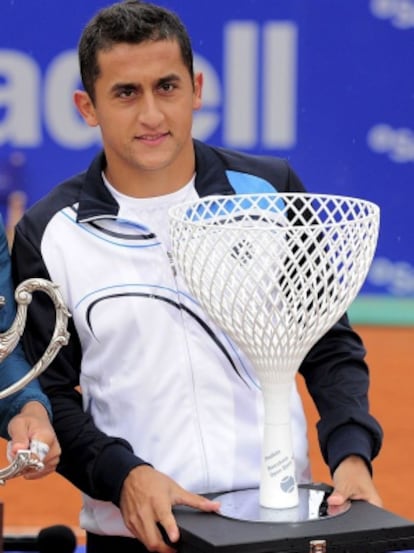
point(198, 88)
point(85, 107)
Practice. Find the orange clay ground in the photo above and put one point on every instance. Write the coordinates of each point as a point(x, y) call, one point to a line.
point(28, 506)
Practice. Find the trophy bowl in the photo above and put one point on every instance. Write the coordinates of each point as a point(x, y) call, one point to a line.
point(275, 272)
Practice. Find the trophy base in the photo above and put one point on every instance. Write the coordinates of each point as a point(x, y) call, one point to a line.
point(364, 527)
point(245, 505)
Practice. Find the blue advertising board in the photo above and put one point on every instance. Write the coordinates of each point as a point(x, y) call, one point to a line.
point(327, 84)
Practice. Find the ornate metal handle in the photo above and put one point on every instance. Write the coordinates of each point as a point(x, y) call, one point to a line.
point(24, 462)
point(10, 338)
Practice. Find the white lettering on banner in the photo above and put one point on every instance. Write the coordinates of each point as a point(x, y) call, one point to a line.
point(279, 92)
point(240, 83)
point(396, 277)
point(19, 100)
point(397, 143)
point(400, 12)
point(207, 120)
point(242, 76)
point(249, 68)
point(61, 116)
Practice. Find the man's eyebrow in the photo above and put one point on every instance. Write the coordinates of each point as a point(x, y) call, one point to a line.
point(173, 77)
point(117, 87)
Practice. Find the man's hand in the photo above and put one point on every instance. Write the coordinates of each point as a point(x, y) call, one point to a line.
point(352, 480)
point(32, 429)
point(147, 499)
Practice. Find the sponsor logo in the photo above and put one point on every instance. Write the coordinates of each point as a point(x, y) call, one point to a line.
point(400, 13)
point(253, 103)
point(395, 277)
point(397, 144)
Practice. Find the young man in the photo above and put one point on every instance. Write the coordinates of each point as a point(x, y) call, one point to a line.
point(163, 413)
point(24, 415)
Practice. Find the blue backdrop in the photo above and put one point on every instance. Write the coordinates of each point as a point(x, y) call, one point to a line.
point(328, 84)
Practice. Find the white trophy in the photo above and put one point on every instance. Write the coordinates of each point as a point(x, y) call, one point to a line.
point(9, 339)
point(275, 272)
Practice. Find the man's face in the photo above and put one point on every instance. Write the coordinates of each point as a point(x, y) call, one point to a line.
point(144, 103)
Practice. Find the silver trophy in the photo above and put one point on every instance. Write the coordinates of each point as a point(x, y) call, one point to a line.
point(9, 339)
point(275, 272)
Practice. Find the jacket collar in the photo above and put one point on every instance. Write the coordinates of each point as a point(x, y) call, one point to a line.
point(95, 200)
point(211, 175)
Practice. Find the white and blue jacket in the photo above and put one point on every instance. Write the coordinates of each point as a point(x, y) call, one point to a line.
point(160, 383)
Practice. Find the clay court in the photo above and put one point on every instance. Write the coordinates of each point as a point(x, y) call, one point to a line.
point(28, 506)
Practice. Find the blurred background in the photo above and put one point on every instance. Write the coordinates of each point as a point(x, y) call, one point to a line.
point(327, 84)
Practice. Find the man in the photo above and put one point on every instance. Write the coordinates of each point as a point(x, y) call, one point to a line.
point(24, 415)
point(168, 406)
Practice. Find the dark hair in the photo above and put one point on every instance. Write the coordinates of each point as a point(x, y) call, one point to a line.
point(133, 22)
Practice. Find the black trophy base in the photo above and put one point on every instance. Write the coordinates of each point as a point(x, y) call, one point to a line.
point(363, 528)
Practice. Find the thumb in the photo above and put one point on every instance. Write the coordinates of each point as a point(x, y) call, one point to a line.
point(337, 498)
point(14, 447)
point(19, 436)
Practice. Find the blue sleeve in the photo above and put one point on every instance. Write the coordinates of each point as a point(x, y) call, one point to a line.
point(15, 366)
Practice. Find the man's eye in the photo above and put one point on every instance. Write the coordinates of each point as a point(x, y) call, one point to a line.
point(167, 87)
point(126, 93)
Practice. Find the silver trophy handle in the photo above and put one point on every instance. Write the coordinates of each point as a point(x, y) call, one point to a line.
point(24, 462)
point(10, 338)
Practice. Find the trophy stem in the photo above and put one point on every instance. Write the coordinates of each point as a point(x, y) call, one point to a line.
point(278, 487)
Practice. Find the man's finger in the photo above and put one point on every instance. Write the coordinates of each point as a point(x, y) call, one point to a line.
point(197, 502)
point(168, 528)
point(13, 447)
point(39, 448)
point(337, 498)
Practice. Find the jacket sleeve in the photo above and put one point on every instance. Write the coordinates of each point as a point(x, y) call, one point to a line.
point(337, 378)
point(15, 365)
point(95, 463)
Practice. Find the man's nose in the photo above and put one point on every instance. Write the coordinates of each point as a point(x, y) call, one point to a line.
point(150, 113)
